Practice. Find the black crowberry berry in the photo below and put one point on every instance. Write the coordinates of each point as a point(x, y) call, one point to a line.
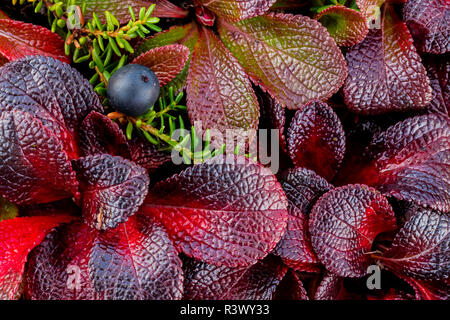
point(133, 89)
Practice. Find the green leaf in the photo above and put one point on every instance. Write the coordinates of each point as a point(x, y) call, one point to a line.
point(238, 10)
point(347, 26)
point(114, 47)
point(7, 210)
point(219, 92)
point(129, 130)
point(177, 34)
point(292, 57)
point(119, 8)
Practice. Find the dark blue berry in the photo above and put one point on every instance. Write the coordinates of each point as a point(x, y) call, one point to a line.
point(133, 89)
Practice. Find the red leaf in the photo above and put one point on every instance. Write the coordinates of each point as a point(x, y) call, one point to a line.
point(99, 135)
point(204, 281)
point(291, 288)
point(119, 8)
point(147, 154)
point(302, 187)
point(166, 62)
point(429, 24)
point(438, 70)
point(316, 139)
point(347, 26)
point(385, 73)
point(227, 211)
point(186, 35)
point(209, 282)
point(219, 94)
point(409, 161)
point(238, 10)
point(430, 290)
point(112, 189)
point(40, 128)
point(330, 288)
point(420, 249)
point(18, 237)
point(343, 224)
point(19, 39)
point(134, 261)
point(292, 57)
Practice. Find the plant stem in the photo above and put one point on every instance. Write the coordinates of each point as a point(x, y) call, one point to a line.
point(155, 132)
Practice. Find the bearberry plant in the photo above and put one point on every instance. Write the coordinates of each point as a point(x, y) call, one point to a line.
point(90, 101)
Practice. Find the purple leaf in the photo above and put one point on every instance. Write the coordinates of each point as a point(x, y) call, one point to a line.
point(34, 167)
point(385, 73)
point(316, 139)
point(42, 104)
point(329, 288)
point(238, 10)
point(429, 23)
point(420, 249)
point(112, 189)
point(209, 282)
point(302, 187)
point(343, 225)
point(409, 161)
point(438, 70)
point(147, 154)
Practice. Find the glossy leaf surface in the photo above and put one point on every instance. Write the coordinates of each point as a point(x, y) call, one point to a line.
point(43, 102)
point(18, 237)
point(229, 212)
point(347, 26)
point(292, 57)
point(302, 187)
point(112, 189)
point(166, 62)
point(429, 23)
point(385, 73)
point(19, 39)
point(219, 94)
point(343, 225)
point(134, 261)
